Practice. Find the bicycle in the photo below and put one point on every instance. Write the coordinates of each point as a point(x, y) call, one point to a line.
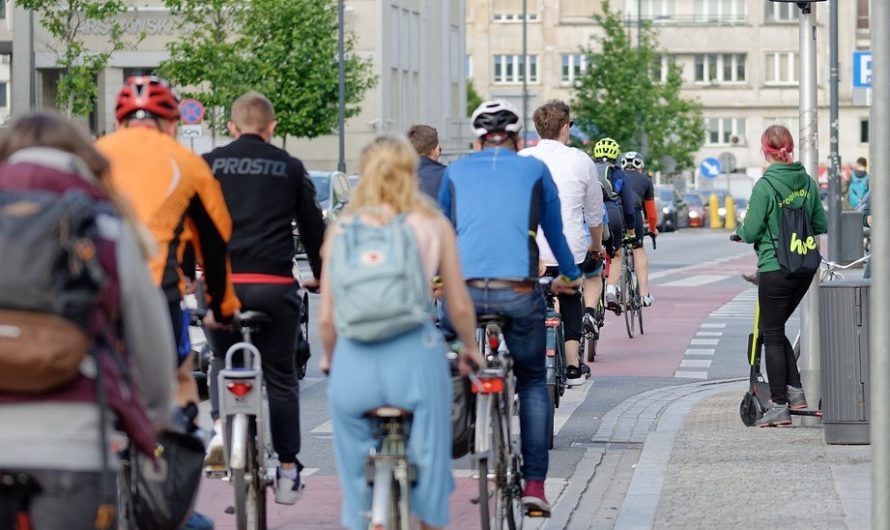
point(592, 325)
point(388, 470)
point(495, 446)
point(250, 459)
point(557, 381)
point(629, 294)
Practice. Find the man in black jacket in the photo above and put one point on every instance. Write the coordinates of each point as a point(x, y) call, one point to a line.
point(425, 140)
point(265, 189)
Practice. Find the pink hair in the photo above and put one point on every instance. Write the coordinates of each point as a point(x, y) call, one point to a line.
point(778, 143)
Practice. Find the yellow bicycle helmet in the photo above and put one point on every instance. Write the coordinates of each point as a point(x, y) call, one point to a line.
point(607, 148)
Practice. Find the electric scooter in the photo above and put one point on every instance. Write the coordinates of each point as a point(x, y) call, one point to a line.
point(757, 399)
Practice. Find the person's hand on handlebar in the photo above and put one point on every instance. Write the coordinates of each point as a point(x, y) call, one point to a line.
point(312, 285)
point(735, 237)
point(469, 361)
point(210, 322)
point(563, 285)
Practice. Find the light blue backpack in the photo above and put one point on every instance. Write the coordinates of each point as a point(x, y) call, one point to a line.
point(378, 282)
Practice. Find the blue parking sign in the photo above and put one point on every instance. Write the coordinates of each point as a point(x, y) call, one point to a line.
point(862, 69)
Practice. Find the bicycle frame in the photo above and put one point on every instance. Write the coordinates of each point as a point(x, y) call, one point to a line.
point(387, 464)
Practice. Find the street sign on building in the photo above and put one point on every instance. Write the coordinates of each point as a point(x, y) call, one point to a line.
point(191, 112)
point(709, 168)
point(862, 69)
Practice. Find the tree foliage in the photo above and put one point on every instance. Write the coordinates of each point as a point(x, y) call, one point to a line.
point(64, 22)
point(210, 63)
point(473, 98)
point(286, 49)
point(622, 94)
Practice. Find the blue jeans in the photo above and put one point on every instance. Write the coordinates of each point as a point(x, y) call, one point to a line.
point(526, 336)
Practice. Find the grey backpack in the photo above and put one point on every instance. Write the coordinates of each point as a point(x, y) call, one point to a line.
point(378, 282)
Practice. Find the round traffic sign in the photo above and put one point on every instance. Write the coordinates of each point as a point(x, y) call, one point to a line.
point(709, 168)
point(727, 162)
point(191, 112)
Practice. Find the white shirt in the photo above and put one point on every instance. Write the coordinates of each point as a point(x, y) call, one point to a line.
point(580, 195)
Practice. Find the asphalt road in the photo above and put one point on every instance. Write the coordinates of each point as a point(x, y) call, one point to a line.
point(695, 276)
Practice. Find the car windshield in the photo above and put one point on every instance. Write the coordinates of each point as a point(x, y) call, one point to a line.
point(693, 199)
point(665, 194)
point(322, 187)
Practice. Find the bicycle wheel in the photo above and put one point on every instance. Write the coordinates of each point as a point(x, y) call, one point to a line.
point(509, 511)
point(638, 302)
point(250, 487)
point(627, 301)
point(486, 507)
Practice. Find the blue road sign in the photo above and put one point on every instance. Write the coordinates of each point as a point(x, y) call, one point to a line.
point(709, 168)
point(191, 112)
point(862, 69)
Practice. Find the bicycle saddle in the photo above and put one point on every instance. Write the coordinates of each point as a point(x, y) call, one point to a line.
point(387, 411)
point(484, 320)
point(252, 318)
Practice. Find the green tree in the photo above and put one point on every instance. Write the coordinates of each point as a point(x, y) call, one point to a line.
point(622, 95)
point(293, 45)
point(473, 98)
point(210, 63)
point(65, 22)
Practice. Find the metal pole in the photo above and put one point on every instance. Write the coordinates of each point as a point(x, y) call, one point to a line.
point(639, 24)
point(879, 148)
point(341, 64)
point(525, 68)
point(809, 156)
point(32, 81)
point(834, 183)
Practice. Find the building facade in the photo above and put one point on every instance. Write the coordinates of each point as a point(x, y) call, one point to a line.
point(416, 48)
point(739, 58)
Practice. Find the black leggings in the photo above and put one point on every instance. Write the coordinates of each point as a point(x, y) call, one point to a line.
point(571, 309)
point(779, 297)
point(277, 344)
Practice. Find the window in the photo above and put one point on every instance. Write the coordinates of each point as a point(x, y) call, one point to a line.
point(511, 68)
point(781, 68)
point(863, 130)
point(572, 67)
point(2, 9)
point(650, 9)
point(791, 123)
point(720, 68)
point(661, 68)
point(468, 66)
point(4, 95)
point(720, 11)
point(782, 12)
point(513, 17)
point(862, 10)
point(724, 131)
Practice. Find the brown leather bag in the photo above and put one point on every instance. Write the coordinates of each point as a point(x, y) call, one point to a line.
point(39, 351)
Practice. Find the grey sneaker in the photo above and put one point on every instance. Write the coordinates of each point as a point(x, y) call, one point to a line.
point(287, 490)
point(775, 416)
point(612, 303)
point(796, 399)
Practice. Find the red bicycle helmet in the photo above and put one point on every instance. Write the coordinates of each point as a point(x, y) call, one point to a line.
point(146, 96)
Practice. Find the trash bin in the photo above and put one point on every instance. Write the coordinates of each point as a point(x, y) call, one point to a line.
point(851, 236)
point(843, 338)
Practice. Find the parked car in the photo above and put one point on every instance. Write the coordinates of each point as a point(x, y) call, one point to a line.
point(332, 192)
point(721, 201)
point(698, 210)
point(675, 209)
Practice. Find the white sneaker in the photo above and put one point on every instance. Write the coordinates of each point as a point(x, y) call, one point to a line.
point(215, 458)
point(647, 300)
point(288, 490)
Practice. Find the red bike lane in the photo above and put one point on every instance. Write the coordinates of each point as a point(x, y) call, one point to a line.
point(670, 324)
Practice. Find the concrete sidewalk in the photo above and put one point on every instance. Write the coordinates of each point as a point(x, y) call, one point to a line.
point(702, 468)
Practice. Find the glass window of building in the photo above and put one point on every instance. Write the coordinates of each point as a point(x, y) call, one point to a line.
point(725, 131)
point(863, 131)
point(862, 10)
point(511, 68)
point(781, 68)
point(782, 12)
point(720, 11)
point(720, 68)
point(650, 9)
point(572, 66)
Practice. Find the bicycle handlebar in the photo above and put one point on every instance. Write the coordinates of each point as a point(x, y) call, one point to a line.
point(653, 236)
point(832, 266)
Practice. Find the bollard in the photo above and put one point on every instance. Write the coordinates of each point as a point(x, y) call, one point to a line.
point(714, 207)
point(730, 213)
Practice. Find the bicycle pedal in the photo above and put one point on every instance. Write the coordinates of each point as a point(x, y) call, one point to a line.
point(534, 512)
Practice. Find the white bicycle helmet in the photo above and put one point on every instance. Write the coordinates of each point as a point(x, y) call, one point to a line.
point(632, 160)
point(495, 116)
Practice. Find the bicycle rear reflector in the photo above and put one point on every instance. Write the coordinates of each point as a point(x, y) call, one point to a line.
point(488, 385)
point(240, 388)
point(494, 342)
point(551, 352)
point(552, 322)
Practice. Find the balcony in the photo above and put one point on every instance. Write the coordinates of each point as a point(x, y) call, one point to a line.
point(696, 20)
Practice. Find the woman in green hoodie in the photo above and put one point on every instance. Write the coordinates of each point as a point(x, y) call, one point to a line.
point(779, 296)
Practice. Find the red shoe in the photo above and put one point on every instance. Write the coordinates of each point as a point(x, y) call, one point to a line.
point(533, 498)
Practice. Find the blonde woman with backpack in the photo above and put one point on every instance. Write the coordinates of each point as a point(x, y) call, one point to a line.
point(400, 360)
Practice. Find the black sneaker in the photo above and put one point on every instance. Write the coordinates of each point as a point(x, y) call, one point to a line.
point(585, 370)
point(587, 322)
point(574, 376)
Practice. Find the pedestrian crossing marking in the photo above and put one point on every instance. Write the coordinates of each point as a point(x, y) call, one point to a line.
point(683, 374)
point(325, 428)
point(699, 351)
point(704, 342)
point(714, 325)
point(696, 280)
point(709, 334)
point(690, 363)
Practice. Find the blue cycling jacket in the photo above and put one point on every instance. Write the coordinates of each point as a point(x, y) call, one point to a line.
point(496, 200)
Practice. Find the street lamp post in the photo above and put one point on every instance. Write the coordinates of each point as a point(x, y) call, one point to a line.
point(341, 64)
point(834, 183)
point(525, 68)
point(880, 286)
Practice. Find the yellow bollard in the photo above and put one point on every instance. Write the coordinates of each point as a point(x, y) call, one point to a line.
point(713, 207)
point(730, 213)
